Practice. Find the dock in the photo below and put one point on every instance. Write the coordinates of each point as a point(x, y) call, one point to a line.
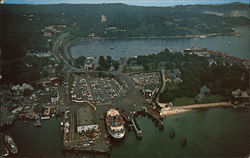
point(131, 119)
point(38, 122)
point(137, 128)
point(77, 139)
point(154, 114)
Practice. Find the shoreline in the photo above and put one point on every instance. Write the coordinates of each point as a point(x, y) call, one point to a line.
point(167, 111)
point(202, 36)
point(78, 40)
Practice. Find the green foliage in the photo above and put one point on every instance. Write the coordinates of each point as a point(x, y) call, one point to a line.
point(222, 78)
point(79, 62)
point(183, 101)
point(21, 25)
point(105, 64)
point(115, 64)
point(215, 98)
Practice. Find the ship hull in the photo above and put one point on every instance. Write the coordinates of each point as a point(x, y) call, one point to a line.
point(116, 135)
point(10, 144)
point(115, 124)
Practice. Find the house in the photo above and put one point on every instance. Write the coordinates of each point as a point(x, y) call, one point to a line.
point(240, 97)
point(150, 90)
point(103, 18)
point(89, 63)
point(177, 81)
point(86, 124)
point(48, 96)
point(54, 98)
point(202, 96)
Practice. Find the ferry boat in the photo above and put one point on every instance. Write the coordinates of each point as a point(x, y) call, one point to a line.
point(115, 124)
point(10, 144)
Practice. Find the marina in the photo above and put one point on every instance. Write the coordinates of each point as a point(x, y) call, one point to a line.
point(114, 80)
point(189, 122)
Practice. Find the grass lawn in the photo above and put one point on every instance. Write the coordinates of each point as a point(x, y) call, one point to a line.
point(215, 98)
point(183, 101)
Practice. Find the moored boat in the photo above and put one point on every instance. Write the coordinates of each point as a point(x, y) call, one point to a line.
point(10, 144)
point(115, 124)
point(3, 149)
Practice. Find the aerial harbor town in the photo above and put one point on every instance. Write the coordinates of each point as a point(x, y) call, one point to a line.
point(101, 104)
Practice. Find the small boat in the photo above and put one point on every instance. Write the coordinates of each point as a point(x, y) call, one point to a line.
point(112, 48)
point(184, 142)
point(10, 144)
point(115, 124)
point(61, 123)
point(38, 123)
point(172, 134)
point(3, 149)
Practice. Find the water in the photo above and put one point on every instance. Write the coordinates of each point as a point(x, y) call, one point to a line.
point(221, 132)
point(232, 45)
point(139, 3)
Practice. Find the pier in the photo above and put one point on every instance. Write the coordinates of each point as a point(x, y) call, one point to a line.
point(131, 119)
point(91, 140)
point(137, 129)
point(155, 114)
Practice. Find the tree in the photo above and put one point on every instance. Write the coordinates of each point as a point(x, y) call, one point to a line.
point(108, 62)
point(115, 64)
point(101, 63)
point(146, 67)
point(80, 61)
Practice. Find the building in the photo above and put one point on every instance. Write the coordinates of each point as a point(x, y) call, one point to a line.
point(89, 63)
point(240, 97)
point(103, 18)
point(86, 122)
point(150, 90)
point(48, 96)
point(54, 97)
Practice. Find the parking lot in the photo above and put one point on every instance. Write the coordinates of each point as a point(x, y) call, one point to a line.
point(142, 79)
point(95, 89)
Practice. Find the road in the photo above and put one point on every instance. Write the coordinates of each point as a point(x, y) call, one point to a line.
point(162, 89)
point(132, 101)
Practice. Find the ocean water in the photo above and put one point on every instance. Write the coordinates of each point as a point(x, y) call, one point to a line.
point(215, 132)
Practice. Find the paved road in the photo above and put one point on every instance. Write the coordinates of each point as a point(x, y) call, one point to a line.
point(132, 101)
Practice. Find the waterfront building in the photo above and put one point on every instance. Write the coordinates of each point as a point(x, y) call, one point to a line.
point(240, 97)
point(150, 90)
point(86, 124)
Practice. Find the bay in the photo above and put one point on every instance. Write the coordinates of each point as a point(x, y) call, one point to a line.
point(232, 45)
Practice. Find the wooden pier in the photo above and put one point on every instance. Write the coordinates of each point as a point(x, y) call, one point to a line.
point(131, 119)
point(155, 114)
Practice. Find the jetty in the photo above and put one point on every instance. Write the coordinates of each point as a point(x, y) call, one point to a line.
point(154, 114)
point(131, 119)
point(137, 128)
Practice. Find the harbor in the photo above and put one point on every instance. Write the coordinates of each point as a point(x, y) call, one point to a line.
point(185, 125)
point(84, 131)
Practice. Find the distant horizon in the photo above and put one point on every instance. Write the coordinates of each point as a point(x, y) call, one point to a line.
point(159, 3)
